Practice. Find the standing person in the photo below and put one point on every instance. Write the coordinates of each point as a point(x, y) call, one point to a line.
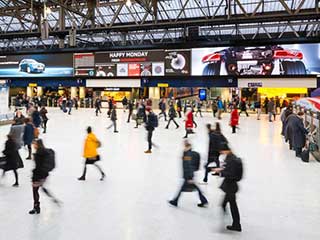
point(285, 112)
point(124, 103)
point(220, 107)
point(13, 159)
point(189, 122)
point(215, 139)
point(188, 174)
point(296, 132)
point(110, 104)
point(234, 120)
point(270, 108)
point(44, 118)
point(35, 116)
point(40, 174)
point(277, 105)
point(265, 104)
point(114, 119)
point(90, 154)
point(130, 107)
point(172, 115)
point(69, 105)
point(151, 124)
point(214, 107)
point(232, 173)
point(163, 109)
point(76, 104)
point(243, 107)
point(97, 105)
point(179, 107)
point(28, 135)
point(199, 106)
point(257, 106)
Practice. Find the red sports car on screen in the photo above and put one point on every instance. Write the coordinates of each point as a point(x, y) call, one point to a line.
point(271, 60)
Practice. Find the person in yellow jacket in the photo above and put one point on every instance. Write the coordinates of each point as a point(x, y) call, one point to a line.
point(90, 154)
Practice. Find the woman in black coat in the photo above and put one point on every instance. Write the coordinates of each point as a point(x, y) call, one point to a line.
point(28, 135)
point(13, 159)
point(39, 176)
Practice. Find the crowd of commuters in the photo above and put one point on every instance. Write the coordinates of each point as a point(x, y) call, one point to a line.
point(25, 131)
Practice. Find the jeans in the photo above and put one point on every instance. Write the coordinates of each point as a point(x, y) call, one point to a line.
point(149, 138)
point(231, 199)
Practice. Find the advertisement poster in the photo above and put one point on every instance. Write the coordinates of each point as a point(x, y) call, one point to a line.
point(4, 97)
point(37, 65)
point(122, 70)
point(83, 64)
point(107, 70)
point(293, 59)
point(138, 62)
point(177, 62)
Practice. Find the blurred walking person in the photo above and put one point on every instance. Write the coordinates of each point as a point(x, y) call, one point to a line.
point(124, 103)
point(189, 122)
point(12, 159)
point(130, 108)
point(234, 120)
point(172, 115)
point(44, 118)
point(220, 107)
point(151, 124)
point(28, 136)
point(179, 107)
point(44, 163)
point(90, 154)
point(188, 166)
point(232, 173)
point(215, 139)
point(97, 105)
point(114, 119)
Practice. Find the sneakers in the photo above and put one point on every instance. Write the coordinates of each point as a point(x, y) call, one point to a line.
point(234, 228)
point(15, 185)
point(148, 151)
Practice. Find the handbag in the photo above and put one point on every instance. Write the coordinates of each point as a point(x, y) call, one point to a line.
point(134, 116)
point(305, 155)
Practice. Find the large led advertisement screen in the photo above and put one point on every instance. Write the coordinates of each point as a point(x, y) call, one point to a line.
point(39, 65)
point(294, 59)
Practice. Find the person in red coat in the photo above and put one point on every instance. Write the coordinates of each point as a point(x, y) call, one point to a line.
point(234, 120)
point(189, 122)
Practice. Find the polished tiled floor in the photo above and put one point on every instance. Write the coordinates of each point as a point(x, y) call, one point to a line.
point(279, 197)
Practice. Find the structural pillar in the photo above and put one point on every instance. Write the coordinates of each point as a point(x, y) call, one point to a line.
point(154, 95)
point(82, 92)
point(29, 91)
point(39, 91)
point(74, 92)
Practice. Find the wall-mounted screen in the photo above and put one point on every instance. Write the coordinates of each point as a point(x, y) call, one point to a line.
point(36, 65)
point(293, 59)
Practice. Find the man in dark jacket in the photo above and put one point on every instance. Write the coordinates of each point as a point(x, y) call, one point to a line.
point(36, 119)
point(172, 115)
point(296, 132)
point(124, 103)
point(151, 123)
point(162, 106)
point(28, 136)
point(232, 173)
point(113, 117)
point(97, 105)
point(215, 139)
point(179, 107)
point(130, 107)
point(243, 107)
point(271, 109)
point(188, 173)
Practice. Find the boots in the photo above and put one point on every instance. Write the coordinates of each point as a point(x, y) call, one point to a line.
point(36, 209)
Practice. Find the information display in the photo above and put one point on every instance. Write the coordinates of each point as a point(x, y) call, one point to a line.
point(36, 65)
point(83, 64)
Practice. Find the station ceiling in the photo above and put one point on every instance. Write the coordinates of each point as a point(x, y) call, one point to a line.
point(154, 23)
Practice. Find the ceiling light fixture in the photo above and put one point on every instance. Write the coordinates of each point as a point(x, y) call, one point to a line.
point(128, 3)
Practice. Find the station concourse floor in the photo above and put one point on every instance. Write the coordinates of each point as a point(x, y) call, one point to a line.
point(279, 197)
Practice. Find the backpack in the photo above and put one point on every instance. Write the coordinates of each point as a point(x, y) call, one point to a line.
point(154, 120)
point(195, 162)
point(239, 169)
point(49, 162)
